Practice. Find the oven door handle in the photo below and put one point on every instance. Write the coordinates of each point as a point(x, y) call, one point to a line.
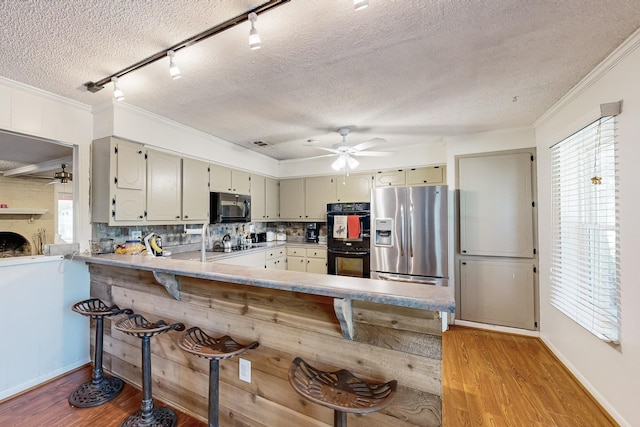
point(334, 251)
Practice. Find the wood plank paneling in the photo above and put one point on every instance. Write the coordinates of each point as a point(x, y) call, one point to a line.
point(287, 324)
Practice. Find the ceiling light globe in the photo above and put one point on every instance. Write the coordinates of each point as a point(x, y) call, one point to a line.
point(339, 163)
point(353, 163)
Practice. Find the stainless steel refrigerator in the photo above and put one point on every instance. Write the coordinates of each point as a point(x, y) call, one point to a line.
point(409, 234)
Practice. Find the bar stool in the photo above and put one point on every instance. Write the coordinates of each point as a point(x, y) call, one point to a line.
point(100, 389)
point(340, 390)
point(195, 341)
point(137, 326)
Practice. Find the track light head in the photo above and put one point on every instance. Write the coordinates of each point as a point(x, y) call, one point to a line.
point(254, 37)
point(360, 4)
point(117, 93)
point(174, 71)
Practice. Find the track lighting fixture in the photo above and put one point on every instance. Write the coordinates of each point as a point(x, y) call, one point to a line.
point(360, 4)
point(254, 42)
point(173, 68)
point(254, 37)
point(117, 93)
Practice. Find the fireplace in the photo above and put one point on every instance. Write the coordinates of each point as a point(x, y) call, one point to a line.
point(13, 244)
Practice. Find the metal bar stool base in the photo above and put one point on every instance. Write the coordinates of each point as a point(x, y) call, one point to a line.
point(160, 417)
point(89, 394)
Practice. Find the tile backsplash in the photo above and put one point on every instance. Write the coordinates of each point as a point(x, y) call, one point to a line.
point(174, 235)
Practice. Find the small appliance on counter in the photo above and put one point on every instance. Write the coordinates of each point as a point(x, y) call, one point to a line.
point(313, 231)
point(153, 244)
point(259, 237)
point(281, 236)
point(271, 236)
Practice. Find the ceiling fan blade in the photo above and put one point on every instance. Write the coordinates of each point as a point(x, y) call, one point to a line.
point(368, 144)
point(372, 153)
point(331, 150)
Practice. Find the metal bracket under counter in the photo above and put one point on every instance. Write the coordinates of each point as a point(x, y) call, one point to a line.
point(170, 283)
point(344, 313)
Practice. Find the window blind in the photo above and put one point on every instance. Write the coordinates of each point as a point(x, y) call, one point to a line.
point(585, 277)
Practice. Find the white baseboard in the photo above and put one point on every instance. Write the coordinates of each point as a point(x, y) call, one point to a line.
point(7, 393)
point(496, 328)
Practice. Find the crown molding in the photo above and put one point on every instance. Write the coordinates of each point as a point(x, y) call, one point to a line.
point(620, 53)
point(12, 84)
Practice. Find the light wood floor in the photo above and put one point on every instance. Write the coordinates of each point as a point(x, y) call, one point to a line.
point(489, 379)
point(496, 379)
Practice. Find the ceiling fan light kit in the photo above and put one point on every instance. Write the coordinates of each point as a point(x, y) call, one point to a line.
point(346, 152)
point(63, 176)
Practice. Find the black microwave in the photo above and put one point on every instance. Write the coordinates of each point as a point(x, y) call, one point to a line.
point(228, 207)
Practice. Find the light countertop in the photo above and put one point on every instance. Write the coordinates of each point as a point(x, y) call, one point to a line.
point(402, 294)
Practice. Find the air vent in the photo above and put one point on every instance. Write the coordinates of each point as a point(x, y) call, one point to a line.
point(260, 143)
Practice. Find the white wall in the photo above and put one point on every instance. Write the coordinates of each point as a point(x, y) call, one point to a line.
point(132, 123)
point(611, 374)
point(42, 338)
point(33, 112)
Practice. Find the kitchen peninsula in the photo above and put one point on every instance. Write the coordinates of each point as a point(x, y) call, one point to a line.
point(377, 329)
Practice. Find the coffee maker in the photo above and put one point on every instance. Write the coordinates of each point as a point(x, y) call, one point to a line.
point(313, 229)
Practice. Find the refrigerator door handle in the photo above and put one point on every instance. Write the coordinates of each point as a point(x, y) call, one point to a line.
point(401, 279)
point(409, 236)
point(402, 232)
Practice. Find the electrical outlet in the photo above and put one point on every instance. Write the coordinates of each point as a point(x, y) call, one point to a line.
point(245, 370)
point(136, 235)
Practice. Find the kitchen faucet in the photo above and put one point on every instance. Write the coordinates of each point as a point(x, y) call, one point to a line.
point(205, 235)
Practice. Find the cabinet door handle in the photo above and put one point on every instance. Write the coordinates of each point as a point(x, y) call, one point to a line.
point(185, 217)
point(178, 217)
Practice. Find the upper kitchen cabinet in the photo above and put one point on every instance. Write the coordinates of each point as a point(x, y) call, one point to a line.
point(227, 180)
point(305, 199)
point(390, 178)
point(118, 182)
point(195, 190)
point(319, 191)
point(431, 175)
point(354, 188)
point(272, 203)
point(496, 205)
point(265, 198)
point(434, 175)
point(164, 187)
point(258, 198)
point(292, 199)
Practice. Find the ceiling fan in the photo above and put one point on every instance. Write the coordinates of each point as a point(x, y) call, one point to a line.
point(347, 152)
point(62, 176)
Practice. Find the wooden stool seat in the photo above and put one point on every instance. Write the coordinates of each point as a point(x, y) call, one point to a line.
point(197, 342)
point(340, 390)
point(137, 326)
point(100, 389)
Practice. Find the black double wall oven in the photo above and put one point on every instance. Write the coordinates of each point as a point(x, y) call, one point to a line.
point(348, 239)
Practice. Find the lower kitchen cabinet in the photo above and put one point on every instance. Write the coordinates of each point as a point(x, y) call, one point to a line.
point(498, 292)
point(276, 258)
point(309, 260)
point(316, 260)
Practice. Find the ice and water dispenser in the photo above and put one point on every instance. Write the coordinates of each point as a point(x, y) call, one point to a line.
point(383, 232)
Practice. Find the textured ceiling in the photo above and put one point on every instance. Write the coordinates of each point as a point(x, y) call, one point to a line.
point(409, 71)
